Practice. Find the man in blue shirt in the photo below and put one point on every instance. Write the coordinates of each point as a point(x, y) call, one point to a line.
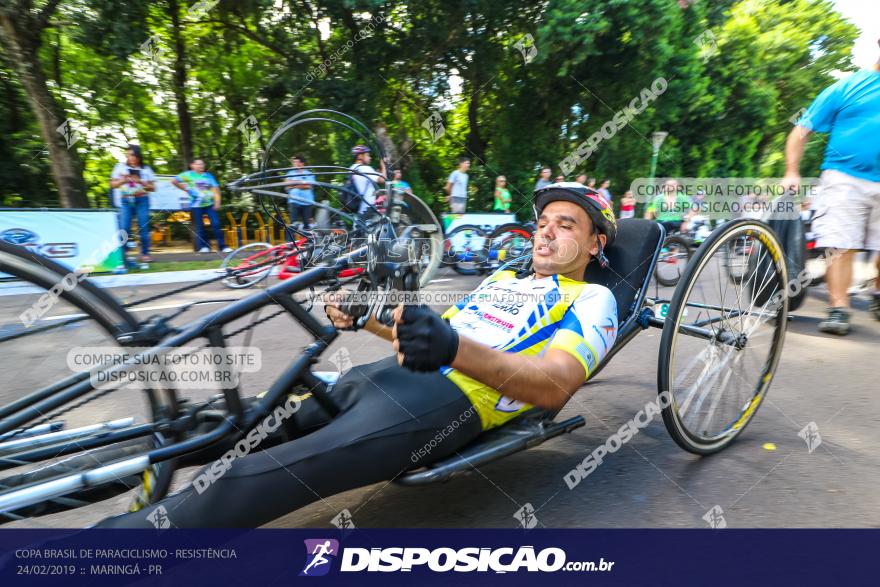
point(300, 196)
point(848, 207)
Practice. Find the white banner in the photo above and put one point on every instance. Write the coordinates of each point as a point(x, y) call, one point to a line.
point(165, 197)
point(481, 219)
point(78, 239)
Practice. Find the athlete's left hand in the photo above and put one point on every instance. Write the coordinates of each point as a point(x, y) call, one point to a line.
point(423, 340)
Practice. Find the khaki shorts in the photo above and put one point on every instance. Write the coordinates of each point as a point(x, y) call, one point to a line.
point(847, 212)
point(457, 206)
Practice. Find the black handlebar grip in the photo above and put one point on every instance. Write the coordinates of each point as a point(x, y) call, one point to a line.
point(353, 308)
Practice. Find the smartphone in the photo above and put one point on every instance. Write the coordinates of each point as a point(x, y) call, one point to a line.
point(134, 172)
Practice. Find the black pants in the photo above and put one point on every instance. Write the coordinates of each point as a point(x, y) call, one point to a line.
point(392, 419)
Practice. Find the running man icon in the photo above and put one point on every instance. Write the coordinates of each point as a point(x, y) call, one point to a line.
point(319, 552)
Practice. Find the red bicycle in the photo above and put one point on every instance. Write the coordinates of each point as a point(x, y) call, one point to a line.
point(250, 264)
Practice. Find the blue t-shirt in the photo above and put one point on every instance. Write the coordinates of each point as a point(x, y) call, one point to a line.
point(850, 110)
point(297, 195)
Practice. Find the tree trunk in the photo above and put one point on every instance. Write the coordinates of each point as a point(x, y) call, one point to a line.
point(475, 143)
point(183, 118)
point(23, 41)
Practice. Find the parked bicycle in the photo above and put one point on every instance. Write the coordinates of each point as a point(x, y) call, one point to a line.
point(474, 250)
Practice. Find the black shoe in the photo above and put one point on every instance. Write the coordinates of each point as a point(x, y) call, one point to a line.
point(836, 323)
point(874, 308)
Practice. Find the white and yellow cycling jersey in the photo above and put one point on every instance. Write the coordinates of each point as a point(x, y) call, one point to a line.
point(529, 316)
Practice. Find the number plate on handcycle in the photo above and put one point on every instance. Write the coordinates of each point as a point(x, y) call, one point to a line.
point(662, 310)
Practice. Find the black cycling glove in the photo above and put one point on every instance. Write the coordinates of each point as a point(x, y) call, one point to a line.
point(426, 340)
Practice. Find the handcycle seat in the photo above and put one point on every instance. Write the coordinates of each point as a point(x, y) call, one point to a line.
point(630, 259)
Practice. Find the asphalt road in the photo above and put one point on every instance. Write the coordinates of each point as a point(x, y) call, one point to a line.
point(768, 478)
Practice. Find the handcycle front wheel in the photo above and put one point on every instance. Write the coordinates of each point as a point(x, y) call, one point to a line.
point(50, 317)
point(722, 340)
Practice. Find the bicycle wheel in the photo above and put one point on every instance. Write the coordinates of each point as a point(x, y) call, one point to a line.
point(50, 318)
point(250, 264)
point(720, 346)
point(792, 236)
point(428, 239)
point(463, 249)
point(508, 241)
point(673, 259)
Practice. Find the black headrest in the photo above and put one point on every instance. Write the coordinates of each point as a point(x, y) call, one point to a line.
point(629, 260)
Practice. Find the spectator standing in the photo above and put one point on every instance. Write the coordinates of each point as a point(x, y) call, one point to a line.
point(399, 184)
point(366, 178)
point(559, 179)
point(582, 179)
point(204, 193)
point(502, 195)
point(591, 183)
point(671, 208)
point(133, 181)
point(605, 191)
point(544, 179)
point(456, 186)
point(300, 195)
point(847, 214)
point(627, 205)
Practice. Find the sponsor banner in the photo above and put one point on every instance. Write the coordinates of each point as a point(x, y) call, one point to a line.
point(85, 240)
point(164, 197)
point(490, 220)
point(168, 556)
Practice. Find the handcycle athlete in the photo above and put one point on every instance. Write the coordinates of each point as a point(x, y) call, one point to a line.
point(483, 362)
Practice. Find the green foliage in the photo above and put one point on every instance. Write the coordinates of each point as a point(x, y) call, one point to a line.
point(727, 108)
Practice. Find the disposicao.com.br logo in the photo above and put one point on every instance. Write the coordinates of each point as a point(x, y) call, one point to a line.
point(443, 560)
point(320, 553)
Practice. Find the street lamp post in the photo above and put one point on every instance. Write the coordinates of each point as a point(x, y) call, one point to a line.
point(657, 139)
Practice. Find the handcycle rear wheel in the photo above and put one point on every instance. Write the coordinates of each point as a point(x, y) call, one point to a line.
point(49, 312)
point(722, 341)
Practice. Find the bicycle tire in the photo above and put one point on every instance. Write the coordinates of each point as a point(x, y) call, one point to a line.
point(98, 305)
point(512, 228)
point(683, 434)
point(418, 212)
point(684, 245)
point(459, 260)
point(259, 274)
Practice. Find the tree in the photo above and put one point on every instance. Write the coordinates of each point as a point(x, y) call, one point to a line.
point(21, 30)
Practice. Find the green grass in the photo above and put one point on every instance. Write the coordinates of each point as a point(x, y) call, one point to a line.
point(158, 266)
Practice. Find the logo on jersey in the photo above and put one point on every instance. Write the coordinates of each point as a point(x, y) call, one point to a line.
point(610, 329)
point(495, 321)
point(505, 404)
point(319, 556)
point(606, 332)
